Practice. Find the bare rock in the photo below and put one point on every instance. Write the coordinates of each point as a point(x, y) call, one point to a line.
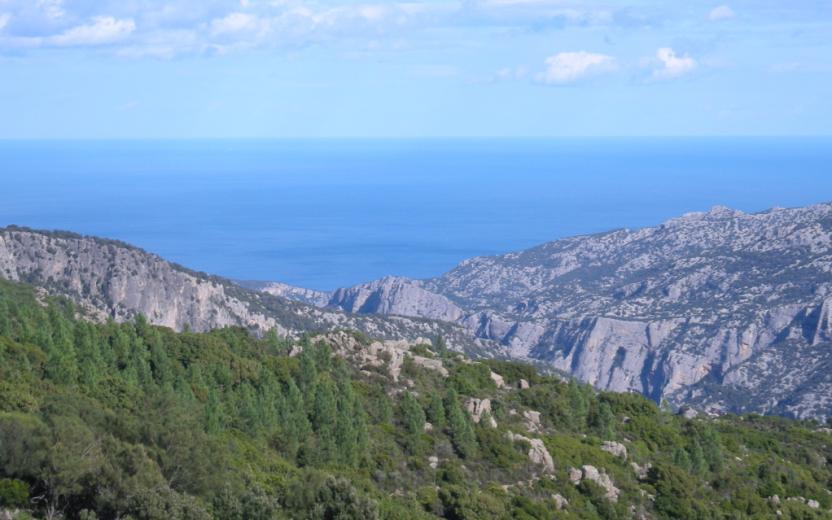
point(560, 501)
point(599, 477)
point(397, 296)
point(538, 454)
point(615, 448)
point(478, 408)
point(498, 380)
point(433, 461)
point(602, 479)
point(531, 419)
point(641, 471)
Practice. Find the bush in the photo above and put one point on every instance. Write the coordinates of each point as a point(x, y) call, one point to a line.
point(13, 493)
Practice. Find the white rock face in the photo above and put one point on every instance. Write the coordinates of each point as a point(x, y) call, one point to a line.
point(110, 279)
point(709, 309)
point(393, 295)
point(290, 292)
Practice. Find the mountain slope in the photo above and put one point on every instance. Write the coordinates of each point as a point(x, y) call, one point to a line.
point(738, 303)
point(111, 279)
point(114, 421)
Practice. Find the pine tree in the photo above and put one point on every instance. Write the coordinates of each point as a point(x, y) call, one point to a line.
point(214, 418)
point(698, 464)
point(436, 412)
point(413, 420)
point(295, 426)
point(682, 459)
point(324, 420)
point(605, 421)
point(578, 406)
point(460, 426)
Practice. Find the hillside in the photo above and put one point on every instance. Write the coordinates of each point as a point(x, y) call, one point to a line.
point(114, 280)
point(131, 420)
point(723, 310)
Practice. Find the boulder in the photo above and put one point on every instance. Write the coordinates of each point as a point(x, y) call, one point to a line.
point(597, 476)
point(523, 384)
point(687, 412)
point(615, 448)
point(560, 502)
point(477, 408)
point(641, 471)
point(498, 380)
point(531, 419)
point(538, 453)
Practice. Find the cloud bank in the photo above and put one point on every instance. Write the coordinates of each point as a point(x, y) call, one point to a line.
point(568, 67)
point(672, 65)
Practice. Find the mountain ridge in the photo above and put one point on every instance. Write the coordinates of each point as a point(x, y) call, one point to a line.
point(704, 300)
point(114, 280)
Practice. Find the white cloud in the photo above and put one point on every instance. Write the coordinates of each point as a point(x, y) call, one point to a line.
point(567, 67)
point(722, 12)
point(234, 23)
point(672, 65)
point(4, 20)
point(53, 9)
point(509, 73)
point(102, 30)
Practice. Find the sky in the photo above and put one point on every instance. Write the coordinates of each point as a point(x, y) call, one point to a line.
point(421, 68)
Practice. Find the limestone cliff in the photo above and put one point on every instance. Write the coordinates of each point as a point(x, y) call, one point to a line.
point(725, 310)
point(110, 279)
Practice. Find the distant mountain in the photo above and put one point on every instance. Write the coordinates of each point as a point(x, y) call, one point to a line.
point(723, 310)
point(114, 280)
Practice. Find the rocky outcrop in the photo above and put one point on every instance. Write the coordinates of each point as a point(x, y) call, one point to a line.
point(393, 295)
point(499, 382)
point(615, 448)
point(290, 292)
point(599, 477)
point(705, 309)
point(538, 454)
point(479, 409)
point(389, 355)
point(531, 419)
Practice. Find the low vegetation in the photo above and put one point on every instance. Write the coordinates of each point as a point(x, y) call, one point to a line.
point(135, 421)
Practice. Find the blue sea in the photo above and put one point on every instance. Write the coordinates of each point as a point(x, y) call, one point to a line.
point(331, 213)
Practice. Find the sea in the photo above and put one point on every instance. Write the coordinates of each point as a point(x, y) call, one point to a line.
point(324, 214)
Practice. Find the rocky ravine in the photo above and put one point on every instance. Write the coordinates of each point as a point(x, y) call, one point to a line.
point(110, 279)
point(724, 310)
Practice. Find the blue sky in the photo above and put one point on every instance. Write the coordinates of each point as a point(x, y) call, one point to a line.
point(431, 68)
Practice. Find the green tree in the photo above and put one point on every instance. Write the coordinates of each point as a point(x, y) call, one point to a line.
point(436, 412)
point(460, 426)
point(413, 420)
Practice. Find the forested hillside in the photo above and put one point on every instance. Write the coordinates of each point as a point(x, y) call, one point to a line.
point(137, 421)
